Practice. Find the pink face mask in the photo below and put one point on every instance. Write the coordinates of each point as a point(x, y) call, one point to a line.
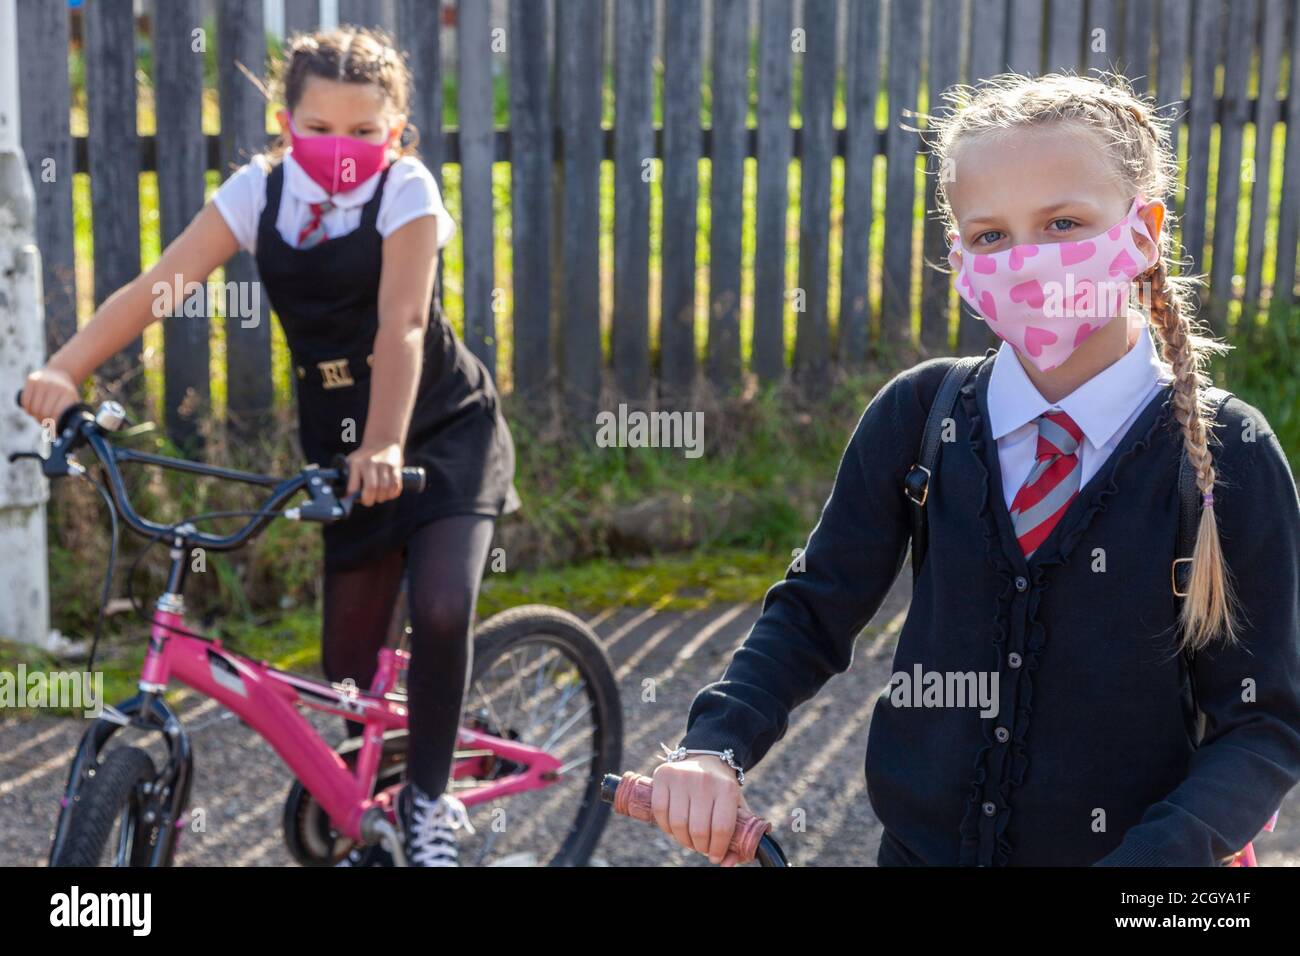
point(1046, 299)
point(337, 163)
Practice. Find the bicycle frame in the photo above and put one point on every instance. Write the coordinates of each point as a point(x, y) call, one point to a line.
point(267, 700)
point(270, 702)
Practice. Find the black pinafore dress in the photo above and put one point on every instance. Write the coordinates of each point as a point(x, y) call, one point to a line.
point(327, 301)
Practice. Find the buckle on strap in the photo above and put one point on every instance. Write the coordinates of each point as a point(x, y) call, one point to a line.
point(1173, 575)
point(916, 486)
point(336, 373)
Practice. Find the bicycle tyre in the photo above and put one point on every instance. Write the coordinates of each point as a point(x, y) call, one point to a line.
point(111, 795)
point(497, 635)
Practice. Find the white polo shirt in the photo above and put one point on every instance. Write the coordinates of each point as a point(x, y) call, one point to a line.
point(410, 192)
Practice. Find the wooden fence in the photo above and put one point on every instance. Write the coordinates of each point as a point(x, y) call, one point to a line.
point(1201, 57)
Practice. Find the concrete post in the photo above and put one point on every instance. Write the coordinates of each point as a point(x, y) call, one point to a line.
point(24, 583)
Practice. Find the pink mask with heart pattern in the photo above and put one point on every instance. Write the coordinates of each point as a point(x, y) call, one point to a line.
point(1046, 299)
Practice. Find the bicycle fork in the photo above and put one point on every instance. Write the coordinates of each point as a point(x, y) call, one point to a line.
point(165, 797)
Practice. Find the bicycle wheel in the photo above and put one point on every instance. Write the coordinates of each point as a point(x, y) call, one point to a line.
point(110, 814)
point(541, 677)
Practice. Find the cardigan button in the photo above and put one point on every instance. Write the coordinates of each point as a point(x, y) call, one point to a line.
point(990, 808)
point(1022, 583)
point(1014, 660)
point(1002, 734)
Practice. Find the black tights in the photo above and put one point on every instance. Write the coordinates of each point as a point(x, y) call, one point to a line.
point(444, 562)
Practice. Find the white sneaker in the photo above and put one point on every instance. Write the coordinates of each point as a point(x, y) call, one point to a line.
point(429, 826)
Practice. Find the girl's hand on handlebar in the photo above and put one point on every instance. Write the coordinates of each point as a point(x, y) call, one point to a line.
point(695, 802)
point(47, 392)
point(376, 473)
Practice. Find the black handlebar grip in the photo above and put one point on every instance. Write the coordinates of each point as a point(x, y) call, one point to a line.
point(19, 398)
point(413, 479)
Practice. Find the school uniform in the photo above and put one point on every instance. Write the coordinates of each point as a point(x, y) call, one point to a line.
point(1090, 757)
point(326, 297)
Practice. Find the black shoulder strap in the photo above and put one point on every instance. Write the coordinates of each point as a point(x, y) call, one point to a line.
point(274, 186)
point(918, 482)
point(370, 211)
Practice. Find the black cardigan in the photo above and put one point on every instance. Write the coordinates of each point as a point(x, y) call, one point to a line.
point(1090, 758)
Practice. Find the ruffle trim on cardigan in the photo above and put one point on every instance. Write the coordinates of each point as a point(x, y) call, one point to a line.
point(971, 820)
point(1036, 636)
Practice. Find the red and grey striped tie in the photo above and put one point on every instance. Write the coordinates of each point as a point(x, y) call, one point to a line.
point(313, 234)
point(1052, 484)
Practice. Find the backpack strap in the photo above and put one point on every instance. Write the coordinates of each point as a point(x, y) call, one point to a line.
point(917, 483)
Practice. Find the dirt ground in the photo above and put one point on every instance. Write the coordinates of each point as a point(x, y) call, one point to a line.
point(817, 768)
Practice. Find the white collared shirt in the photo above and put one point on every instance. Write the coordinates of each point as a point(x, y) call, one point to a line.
point(410, 192)
point(1104, 407)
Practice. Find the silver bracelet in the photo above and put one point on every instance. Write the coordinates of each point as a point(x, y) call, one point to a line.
point(726, 756)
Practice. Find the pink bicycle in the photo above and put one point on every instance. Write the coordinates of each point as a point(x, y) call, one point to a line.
point(542, 720)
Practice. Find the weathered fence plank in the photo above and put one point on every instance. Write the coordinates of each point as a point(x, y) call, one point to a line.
point(1135, 60)
point(530, 200)
point(1065, 35)
point(861, 85)
point(365, 13)
point(419, 23)
point(634, 149)
point(727, 185)
point(1288, 219)
point(812, 334)
point(578, 45)
point(775, 143)
point(474, 67)
point(1272, 44)
point(1232, 124)
point(681, 138)
point(243, 133)
point(1024, 36)
point(1101, 35)
point(301, 16)
point(985, 58)
point(47, 143)
point(900, 178)
point(178, 75)
point(1171, 65)
point(114, 169)
point(936, 283)
point(1206, 24)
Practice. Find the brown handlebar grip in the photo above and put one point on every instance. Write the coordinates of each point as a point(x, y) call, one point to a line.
point(632, 798)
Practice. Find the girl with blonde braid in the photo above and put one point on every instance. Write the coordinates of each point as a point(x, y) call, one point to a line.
point(1053, 525)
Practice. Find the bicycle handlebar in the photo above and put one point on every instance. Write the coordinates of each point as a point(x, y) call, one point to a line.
point(78, 426)
point(630, 795)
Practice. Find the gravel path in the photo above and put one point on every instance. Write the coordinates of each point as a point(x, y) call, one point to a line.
point(240, 783)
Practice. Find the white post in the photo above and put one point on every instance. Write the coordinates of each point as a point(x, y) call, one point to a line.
point(24, 583)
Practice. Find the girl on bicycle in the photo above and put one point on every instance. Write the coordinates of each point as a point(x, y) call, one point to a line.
point(1053, 520)
point(346, 226)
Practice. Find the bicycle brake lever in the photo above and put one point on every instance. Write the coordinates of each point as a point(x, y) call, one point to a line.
point(324, 506)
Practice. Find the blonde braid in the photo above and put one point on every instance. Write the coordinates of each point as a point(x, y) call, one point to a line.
point(1210, 605)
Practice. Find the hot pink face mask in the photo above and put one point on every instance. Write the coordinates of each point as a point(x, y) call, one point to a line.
point(1046, 299)
point(337, 163)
